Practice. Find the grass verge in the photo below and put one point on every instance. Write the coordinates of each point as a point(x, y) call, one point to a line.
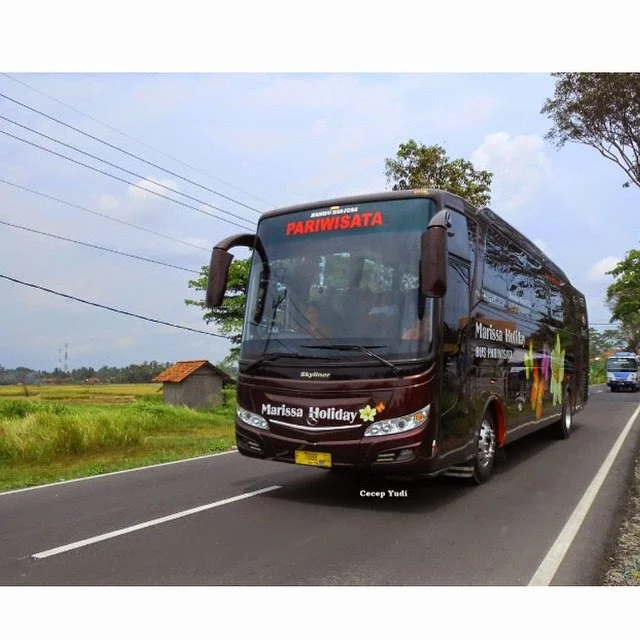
point(624, 564)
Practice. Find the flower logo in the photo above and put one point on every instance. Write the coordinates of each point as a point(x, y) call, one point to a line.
point(557, 371)
point(538, 389)
point(528, 360)
point(367, 414)
point(546, 362)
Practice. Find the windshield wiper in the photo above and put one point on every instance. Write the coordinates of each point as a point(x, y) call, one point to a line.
point(357, 347)
point(267, 358)
point(276, 356)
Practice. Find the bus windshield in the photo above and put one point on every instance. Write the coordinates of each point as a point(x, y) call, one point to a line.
point(622, 364)
point(339, 283)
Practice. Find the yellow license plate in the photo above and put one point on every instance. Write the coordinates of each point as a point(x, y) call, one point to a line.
point(313, 458)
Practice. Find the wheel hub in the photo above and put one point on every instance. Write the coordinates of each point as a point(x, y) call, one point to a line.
point(486, 444)
point(567, 415)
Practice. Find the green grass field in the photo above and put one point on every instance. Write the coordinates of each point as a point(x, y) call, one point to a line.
point(97, 393)
point(63, 432)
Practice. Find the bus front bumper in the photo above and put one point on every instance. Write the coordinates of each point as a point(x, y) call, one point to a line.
point(622, 384)
point(402, 453)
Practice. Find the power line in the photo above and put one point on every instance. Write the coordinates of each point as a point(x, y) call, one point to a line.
point(104, 215)
point(116, 166)
point(128, 153)
point(102, 306)
point(144, 144)
point(95, 246)
point(132, 184)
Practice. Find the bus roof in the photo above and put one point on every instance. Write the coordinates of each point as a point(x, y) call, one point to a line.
point(446, 198)
point(365, 197)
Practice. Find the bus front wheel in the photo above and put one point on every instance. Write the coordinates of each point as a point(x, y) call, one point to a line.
point(486, 442)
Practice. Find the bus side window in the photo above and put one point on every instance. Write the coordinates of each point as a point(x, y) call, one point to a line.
point(456, 305)
point(463, 241)
point(556, 302)
point(455, 358)
point(496, 268)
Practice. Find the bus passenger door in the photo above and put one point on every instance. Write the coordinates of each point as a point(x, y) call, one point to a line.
point(456, 361)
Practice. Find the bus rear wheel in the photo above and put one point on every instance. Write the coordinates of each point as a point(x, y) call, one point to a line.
point(486, 442)
point(563, 427)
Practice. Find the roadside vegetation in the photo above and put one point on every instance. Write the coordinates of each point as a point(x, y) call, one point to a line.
point(623, 566)
point(597, 374)
point(57, 433)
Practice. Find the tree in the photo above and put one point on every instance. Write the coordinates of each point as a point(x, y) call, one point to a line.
point(623, 297)
point(228, 318)
point(602, 341)
point(417, 166)
point(602, 111)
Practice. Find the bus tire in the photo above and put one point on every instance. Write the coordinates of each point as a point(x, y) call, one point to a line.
point(564, 426)
point(485, 453)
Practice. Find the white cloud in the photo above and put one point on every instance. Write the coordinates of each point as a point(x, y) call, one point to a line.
point(519, 164)
point(142, 188)
point(597, 273)
point(108, 202)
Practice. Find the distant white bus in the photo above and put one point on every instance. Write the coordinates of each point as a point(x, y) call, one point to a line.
point(622, 371)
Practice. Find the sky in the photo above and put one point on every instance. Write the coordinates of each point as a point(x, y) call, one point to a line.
point(262, 138)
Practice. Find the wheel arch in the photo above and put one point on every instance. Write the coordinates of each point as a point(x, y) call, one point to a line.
point(493, 405)
point(572, 396)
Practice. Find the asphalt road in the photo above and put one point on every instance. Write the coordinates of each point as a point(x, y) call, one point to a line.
point(311, 527)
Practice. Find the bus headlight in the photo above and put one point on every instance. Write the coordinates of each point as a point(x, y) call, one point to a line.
point(398, 425)
point(252, 419)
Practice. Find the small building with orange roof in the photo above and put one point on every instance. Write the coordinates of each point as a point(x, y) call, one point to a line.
point(193, 383)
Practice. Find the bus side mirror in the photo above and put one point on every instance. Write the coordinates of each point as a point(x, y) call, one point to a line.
point(219, 267)
point(218, 275)
point(433, 260)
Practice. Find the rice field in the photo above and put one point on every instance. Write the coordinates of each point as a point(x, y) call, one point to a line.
point(91, 393)
point(64, 431)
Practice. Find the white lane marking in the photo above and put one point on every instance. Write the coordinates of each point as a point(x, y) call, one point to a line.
point(548, 567)
point(599, 390)
point(114, 473)
point(150, 523)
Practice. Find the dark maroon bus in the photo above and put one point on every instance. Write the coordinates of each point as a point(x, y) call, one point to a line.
point(405, 332)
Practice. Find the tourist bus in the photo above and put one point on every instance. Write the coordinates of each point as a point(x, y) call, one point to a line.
point(622, 370)
point(404, 332)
